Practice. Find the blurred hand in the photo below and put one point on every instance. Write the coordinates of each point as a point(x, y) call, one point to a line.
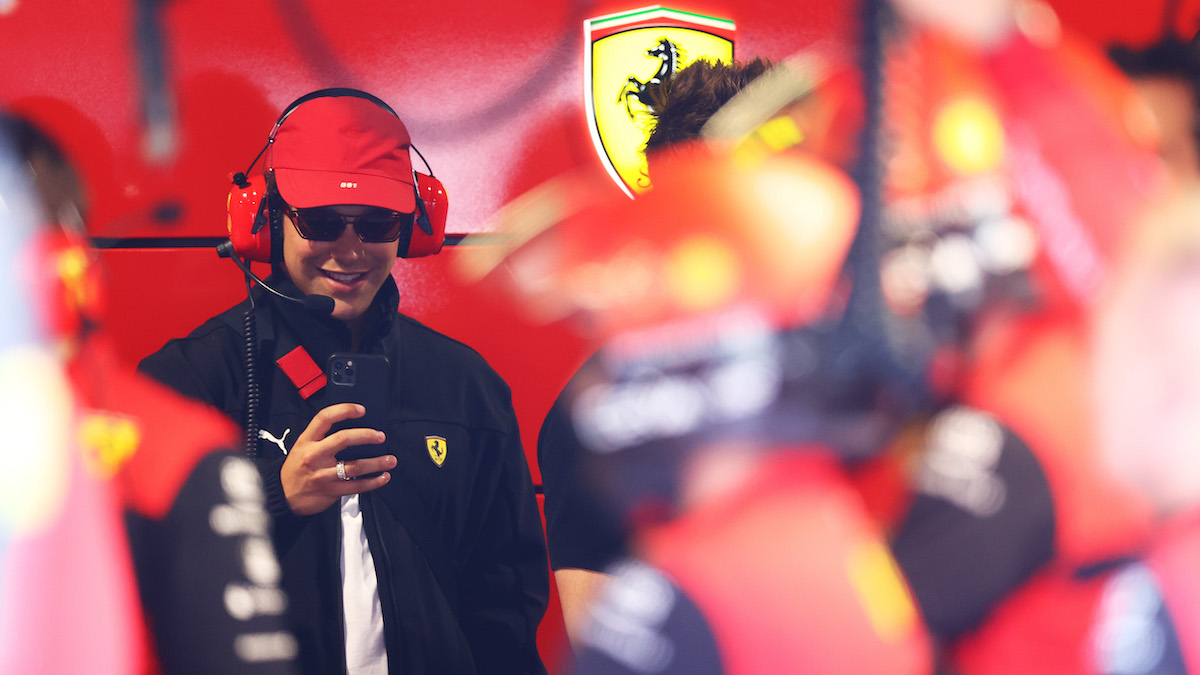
point(309, 474)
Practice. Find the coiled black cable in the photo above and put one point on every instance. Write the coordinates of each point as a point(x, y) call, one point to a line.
point(869, 322)
point(250, 356)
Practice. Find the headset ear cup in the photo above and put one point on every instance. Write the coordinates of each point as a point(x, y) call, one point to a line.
point(248, 225)
point(432, 206)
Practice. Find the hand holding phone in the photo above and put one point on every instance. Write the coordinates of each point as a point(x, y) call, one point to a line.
point(308, 475)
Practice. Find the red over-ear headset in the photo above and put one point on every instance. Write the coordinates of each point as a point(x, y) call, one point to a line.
point(252, 224)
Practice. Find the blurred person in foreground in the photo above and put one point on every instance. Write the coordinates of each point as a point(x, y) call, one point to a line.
point(1020, 161)
point(712, 420)
point(137, 537)
point(1146, 390)
point(583, 535)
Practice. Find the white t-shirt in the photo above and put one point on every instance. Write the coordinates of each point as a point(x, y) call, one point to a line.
point(366, 653)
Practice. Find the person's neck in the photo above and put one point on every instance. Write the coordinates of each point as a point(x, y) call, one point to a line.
point(356, 331)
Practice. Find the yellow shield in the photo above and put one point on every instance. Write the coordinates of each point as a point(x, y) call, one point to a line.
point(436, 445)
point(627, 56)
point(107, 441)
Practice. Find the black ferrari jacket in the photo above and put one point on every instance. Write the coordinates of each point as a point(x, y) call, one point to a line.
point(458, 545)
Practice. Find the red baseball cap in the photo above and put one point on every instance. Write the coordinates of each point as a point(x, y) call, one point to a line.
point(343, 150)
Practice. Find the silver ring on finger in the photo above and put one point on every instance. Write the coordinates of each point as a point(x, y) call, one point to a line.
point(341, 471)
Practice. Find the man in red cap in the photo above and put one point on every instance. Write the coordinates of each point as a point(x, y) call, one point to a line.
point(429, 556)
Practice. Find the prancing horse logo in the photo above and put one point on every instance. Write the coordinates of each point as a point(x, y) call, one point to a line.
point(668, 53)
point(436, 445)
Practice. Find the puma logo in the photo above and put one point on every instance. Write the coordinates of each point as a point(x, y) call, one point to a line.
point(266, 435)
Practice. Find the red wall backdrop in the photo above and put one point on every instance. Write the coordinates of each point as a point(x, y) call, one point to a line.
point(492, 93)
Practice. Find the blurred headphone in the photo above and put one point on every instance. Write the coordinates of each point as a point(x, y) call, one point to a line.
point(255, 219)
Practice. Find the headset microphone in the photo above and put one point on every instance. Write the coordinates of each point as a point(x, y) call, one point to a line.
point(317, 304)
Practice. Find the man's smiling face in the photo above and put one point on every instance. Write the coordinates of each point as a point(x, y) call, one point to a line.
point(348, 270)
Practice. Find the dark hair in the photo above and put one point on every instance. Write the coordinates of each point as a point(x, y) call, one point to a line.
point(688, 98)
point(59, 187)
point(1170, 58)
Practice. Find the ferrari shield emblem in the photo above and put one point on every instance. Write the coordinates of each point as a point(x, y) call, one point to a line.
point(627, 56)
point(107, 441)
point(436, 445)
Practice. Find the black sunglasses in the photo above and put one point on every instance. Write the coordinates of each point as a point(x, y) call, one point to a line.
point(375, 225)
